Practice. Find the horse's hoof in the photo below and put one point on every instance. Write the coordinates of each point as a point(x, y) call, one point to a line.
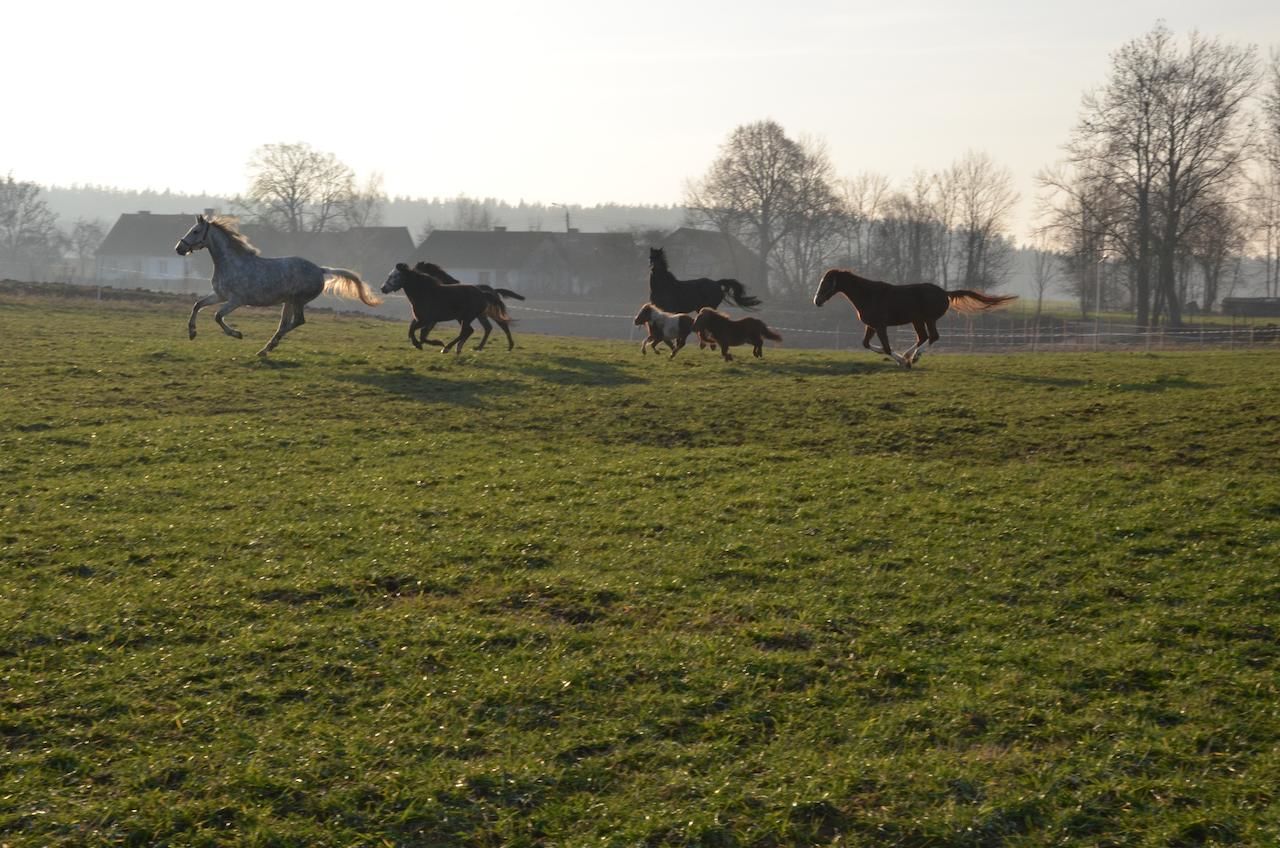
point(191, 334)
point(236, 334)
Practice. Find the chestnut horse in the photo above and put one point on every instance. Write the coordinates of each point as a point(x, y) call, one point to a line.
point(881, 305)
point(729, 332)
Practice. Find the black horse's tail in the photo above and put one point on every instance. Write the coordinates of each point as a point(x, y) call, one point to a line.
point(769, 334)
point(966, 300)
point(737, 292)
point(510, 293)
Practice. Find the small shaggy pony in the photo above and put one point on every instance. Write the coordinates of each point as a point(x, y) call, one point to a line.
point(727, 332)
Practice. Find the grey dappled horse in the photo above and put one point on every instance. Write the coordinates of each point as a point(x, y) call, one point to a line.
point(241, 277)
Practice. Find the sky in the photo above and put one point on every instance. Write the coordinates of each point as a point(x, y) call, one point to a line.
point(559, 102)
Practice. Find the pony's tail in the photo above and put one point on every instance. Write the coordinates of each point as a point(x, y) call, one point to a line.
point(346, 283)
point(510, 293)
point(769, 334)
point(737, 292)
point(966, 300)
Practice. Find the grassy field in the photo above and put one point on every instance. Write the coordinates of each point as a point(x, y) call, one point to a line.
point(568, 595)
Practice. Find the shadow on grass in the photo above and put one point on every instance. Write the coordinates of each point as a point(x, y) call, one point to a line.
point(576, 371)
point(419, 387)
point(1162, 383)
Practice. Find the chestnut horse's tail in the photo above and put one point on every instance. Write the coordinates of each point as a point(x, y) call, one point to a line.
point(966, 300)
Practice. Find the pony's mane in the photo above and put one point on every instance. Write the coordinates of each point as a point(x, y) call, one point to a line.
point(229, 229)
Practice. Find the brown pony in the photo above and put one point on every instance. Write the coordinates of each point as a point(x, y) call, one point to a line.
point(881, 305)
point(729, 332)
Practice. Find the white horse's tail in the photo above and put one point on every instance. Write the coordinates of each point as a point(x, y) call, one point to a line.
point(346, 283)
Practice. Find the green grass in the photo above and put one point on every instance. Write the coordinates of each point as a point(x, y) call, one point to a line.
point(363, 595)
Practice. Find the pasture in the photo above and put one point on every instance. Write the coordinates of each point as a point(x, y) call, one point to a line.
point(361, 594)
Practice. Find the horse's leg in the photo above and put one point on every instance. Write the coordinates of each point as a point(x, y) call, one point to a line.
point(463, 335)
point(758, 349)
point(679, 344)
point(487, 327)
point(286, 324)
point(884, 341)
point(511, 343)
point(922, 335)
point(924, 339)
point(207, 300)
point(724, 349)
point(222, 313)
point(883, 334)
point(413, 340)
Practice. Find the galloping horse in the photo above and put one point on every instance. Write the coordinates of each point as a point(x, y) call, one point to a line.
point(729, 332)
point(672, 295)
point(881, 305)
point(449, 280)
point(434, 301)
point(242, 277)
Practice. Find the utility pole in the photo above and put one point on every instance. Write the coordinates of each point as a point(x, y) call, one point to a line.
point(565, 207)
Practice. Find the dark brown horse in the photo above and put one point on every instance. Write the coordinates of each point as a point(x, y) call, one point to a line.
point(676, 296)
point(448, 279)
point(729, 332)
point(434, 301)
point(881, 305)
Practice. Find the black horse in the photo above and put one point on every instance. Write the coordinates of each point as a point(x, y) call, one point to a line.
point(448, 279)
point(434, 301)
point(672, 295)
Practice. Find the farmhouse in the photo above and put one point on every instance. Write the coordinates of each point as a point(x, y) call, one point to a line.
point(538, 263)
point(138, 251)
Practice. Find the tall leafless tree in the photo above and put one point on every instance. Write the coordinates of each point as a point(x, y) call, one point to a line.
point(763, 188)
point(983, 197)
point(1166, 132)
point(295, 189)
point(30, 241)
point(863, 197)
point(85, 238)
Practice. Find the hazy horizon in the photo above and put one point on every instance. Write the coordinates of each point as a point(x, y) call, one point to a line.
point(579, 103)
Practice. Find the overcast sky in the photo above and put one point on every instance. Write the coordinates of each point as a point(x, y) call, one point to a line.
point(577, 102)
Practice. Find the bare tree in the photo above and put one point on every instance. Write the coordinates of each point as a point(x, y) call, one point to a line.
point(296, 189)
point(86, 236)
point(908, 236)
point(1166, 132)
point(980, 195)
point(30, 241)
point(471, 214)
point(364, 206)
point(763, 188)
point(1046, 264)
point(863, 197)
point(814, 237)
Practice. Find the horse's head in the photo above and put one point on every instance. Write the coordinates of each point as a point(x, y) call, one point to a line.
point(645, 312)
point(826, 288)
point(703, 318)
point(196, 238)
point(395, 280)
point(657, 259)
